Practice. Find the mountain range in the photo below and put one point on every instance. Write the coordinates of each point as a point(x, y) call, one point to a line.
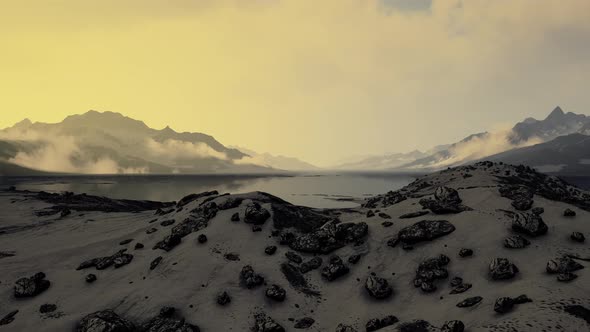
point(110, 143)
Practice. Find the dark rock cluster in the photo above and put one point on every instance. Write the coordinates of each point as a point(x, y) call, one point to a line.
point(446, 200)
point(119, 259)
point(31, 286)
point(431, 270)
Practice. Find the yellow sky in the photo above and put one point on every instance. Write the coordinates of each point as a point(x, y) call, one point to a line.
point(319, 80)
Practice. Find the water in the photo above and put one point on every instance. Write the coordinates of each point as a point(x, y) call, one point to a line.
point(321, 191)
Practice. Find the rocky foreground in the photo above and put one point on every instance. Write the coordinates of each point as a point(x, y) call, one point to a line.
point(488, 247)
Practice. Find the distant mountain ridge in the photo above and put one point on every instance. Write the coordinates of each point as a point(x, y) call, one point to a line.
point(108, 142)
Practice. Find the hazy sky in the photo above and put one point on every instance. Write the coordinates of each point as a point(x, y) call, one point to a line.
point(319, 80)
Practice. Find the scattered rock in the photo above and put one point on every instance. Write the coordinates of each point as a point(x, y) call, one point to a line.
point(578, 237)
point(416, 326)
point(167, 222)
point(461, 288)
point(104, 321)
point(329, 237)
point(370, 214)
point(235, 217)
point(446, 200)
point(311, 264)
point(453, 326)
point(502, 268)
point(202, 238)
point(563, 265)
point(124, 242)
point(139, 246)
point(47, 308)
point(32, 286)
point(270, 250)
point(538, 210)
point(521, 196)
point(335, 269)
point(503, 305)
point(353, 259)
point(379, 323)
point(516, 242)
point(256, 214)
point(276, 292)
point(9, 318)
point(429, 271)
point(90, 278)
point(193, 197)
point(250, 279)
point(169, 242)
point(223, 299)
point(569, 213)
point(232, 256)
point(528, 223)
point(345, 328)
point(155, 262)
point(384, 215)
point(304, 323)
point(387, 224)
point(578, 311)
point(166, 321)
point(470, 302)
point(293, 257)
point(151, 230)
point(378, 287)
point(425, 230)
point(465, 252)
point(256, 228)
point(264, 323)
point(566, 277)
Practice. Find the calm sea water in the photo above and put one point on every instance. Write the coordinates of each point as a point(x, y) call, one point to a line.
point(322, 191)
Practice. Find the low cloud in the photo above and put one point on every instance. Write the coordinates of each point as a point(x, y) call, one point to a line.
point(171, 149)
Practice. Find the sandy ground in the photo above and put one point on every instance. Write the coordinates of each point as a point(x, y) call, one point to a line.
point(192, 274)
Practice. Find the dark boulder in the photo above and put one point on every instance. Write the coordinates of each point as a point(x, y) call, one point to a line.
point(503, 305)
point(378, 287)
point(230, 203)
point(166, 321)
point(416, 326)
point(384, 215)
point(294, 276)
point(461, 288)
point(578, 237)
point(202, 238)
point(446, 200)
point(151, 230)
point(167, 222)
point(569, 213)
point(235, 217)
point(223, 299)
point(155, 262)
point(124, 242)
point(122, 260)
point(528, 223)
point(379, 323)
point(169, 242)
point(464, 252)
point(9, 318)
point(538, 210)
point(353, 259)
point(387, 224)
point(563, 264)
point(521, 196)
point(335, 269)
point(516, 242)
point(264, 323)
point(256, 214)
point(32, 286)
point(502, 268)
point(47, 308)
point(370, 214)
point(276, 293)
point(453, 326)
point(414, 214)
point(139, 246)
point(249, 278)
point(345, 328)
point(293, 257)
point(232, 256)
point(425, 230)
point(311, 264)
point(470, 302)
point(104, 321)
point(90, 278)
point(270, 250)
point(329, 237)
point(429, 271)
point(304, 323)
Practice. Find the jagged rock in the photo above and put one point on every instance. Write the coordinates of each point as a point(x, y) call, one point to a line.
point(167, 222)
point(151, 230)
point(453, 326)
point(377, 324)
point(119, 259)
point(194, 223)
point(124, 242)
point(566, 277)
point(202, 238)
point(166, 322)
point(223, 299)
point(521, 299)
point(329, 237)
point(470, 302)
point(387, 224)
point(250, 279)
point(335, 269)
point(384, 215)
point(47, 308)
point(416, 326)
point(293, 257)
point(461, 288)
point(528, 223)
point(193, 197)
point(578, 237)
point(429, 271)
point(270, 250)
point(393, 242)
point(345, 328)
point(32, 286)
point(104, 321)
point(9, 318)
point(516, 242)
point(122, 260)
point(162, 212)
point(235, 217)
point(501, 269)
point(446, 200)
point(276, 292)
point(256, 228)
point(230, 203)
point(206, 210)
point(301, 218)
point(456, 281)
point(90, 278)
point(155, 262)
point(385, 200)
point(563, 264)
point(521, 196)
point(413, 214)
point(378, 287)
point(232, 256)
point(304, 323)
point(256, 214)
point(311, 264)
point(538, 210)
point(370, 214)
point(425, 230)
point(264, 323)
point(139, 246)
point(465, 252)
point(569, 213)
point(169, 242)
point(353, 259)
point(503, 305)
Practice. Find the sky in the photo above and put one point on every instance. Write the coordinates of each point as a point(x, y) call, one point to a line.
point(318, 80)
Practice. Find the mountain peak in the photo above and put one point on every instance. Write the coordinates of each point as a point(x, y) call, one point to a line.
point(557, 112)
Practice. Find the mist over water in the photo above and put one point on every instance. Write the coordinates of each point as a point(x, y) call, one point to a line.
point(321, 191)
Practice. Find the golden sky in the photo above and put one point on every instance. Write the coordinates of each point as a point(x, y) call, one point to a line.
point(318, 80)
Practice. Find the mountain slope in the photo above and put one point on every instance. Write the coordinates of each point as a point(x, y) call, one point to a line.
point(276, 161)
point(107, 142)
